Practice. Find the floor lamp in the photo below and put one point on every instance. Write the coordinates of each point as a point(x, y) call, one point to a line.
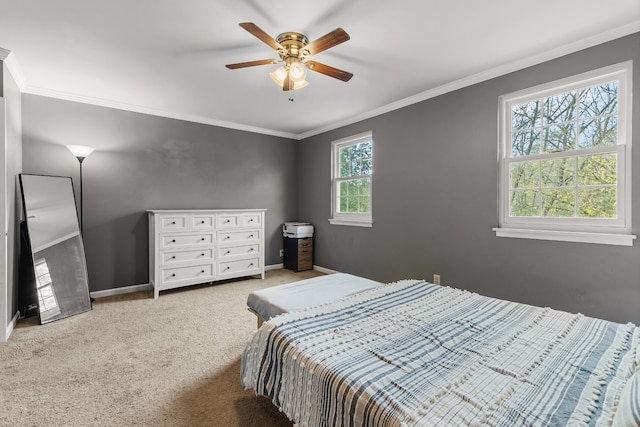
point(81, 152)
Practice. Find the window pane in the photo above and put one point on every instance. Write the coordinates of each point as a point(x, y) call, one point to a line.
point(525, 143)
point(364, 187)
point(597, 202)
point(597, 169)
point(525, 175)
point(367, 167)
point(344, 190)
point(345, 161)
point(599, 132)
point(525, 203)
point(558, 172)
point(343, 204)
point(560, 108)
point(599, 100)
point(558, 138)
point(364, 204)
point(352, 204)
point(527, 115)
point(558, 203)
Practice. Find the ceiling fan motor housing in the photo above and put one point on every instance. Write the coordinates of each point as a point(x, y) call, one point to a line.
point(294, 44)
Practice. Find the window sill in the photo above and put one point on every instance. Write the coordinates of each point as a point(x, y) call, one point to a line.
point(351, 222)
point(567, 236)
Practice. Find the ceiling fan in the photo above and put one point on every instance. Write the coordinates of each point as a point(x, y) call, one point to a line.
point(294, 50)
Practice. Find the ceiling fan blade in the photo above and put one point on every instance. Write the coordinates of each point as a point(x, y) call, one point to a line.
point(251, 63)
point(327, 70)
point(287, 84)
point(266, 38)
point(327, 41)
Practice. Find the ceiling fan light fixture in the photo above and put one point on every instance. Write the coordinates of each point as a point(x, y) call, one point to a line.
point(297, 72)
point(279, 75)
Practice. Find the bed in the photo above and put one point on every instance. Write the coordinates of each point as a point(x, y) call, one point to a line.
point(412, 353)
point(270, 302)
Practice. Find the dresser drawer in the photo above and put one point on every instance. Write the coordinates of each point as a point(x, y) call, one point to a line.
point(240, 267)
point(238, 236)
point(250, 220)
point(227, 220)
point(173, 223)
point(235, 251)
point(201, 222)
point(195, 255)
point(177, 240)
point(200, 272)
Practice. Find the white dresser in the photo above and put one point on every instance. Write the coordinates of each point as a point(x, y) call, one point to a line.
point(187, 247)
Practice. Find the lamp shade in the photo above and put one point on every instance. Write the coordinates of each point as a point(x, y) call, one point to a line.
point(80, 151)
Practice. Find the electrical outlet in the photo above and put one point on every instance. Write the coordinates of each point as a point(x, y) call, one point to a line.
point(436, 279)
point(281, 253)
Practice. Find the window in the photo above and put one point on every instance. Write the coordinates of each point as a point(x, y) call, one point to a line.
point(351, 173)
point(565, 159)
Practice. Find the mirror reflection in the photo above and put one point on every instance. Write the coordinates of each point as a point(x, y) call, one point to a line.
point(56, 246)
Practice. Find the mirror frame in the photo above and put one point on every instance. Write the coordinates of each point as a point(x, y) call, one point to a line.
point(79, 298)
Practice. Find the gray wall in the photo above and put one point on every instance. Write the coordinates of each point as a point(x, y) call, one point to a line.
point(146, 162)
point(435, 202)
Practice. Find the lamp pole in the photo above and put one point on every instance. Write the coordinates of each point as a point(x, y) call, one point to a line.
point(81, 152)
point(81, 159)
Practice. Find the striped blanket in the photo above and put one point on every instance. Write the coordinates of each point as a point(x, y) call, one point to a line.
point(415, 354)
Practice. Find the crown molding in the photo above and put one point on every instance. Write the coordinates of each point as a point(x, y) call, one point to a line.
point(9, 59)
point(501, 70)
point(32, 90)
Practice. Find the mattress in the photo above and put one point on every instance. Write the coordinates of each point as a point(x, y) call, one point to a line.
point(415, 354)
point(270, 302)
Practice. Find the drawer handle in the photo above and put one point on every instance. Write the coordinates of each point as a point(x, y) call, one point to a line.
point(228, 252)
point(227, 221)
point(202, 271)
point(250, 250)
point(227, 238)
point(227, 268)
point(251, 235)
point(202, 238)
point(202, 222)
point(173, 241)
point(251, 265)
point(173, 222)
point(305, 251)
point(173, 275)
point(201, 254)
point(173, 257)
point(251, 220)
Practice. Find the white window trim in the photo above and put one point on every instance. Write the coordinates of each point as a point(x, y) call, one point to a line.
point(341, 218)
point(616, 232)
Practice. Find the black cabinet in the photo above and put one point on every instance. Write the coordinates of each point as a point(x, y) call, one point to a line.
point(298, 253)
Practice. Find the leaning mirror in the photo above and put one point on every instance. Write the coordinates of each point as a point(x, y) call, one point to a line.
point(56, 246)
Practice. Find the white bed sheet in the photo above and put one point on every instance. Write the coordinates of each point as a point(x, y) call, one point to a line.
point(276, 300)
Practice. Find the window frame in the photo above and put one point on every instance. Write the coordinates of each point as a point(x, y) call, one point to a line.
point(347, 218)
point(614, 231)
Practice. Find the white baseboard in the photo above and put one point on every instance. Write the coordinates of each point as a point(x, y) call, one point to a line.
point(324, 270)
point(12, 325)
point(147, 286)
point(122, 290)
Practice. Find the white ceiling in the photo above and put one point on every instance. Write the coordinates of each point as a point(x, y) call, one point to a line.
point(168, 57)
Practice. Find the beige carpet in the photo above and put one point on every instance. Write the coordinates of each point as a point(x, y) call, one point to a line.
point(136, 361)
